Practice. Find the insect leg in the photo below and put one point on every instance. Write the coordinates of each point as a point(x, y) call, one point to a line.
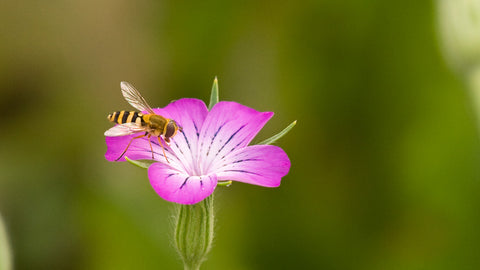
point(150, 142)
point(163, 149)
point(124, 151)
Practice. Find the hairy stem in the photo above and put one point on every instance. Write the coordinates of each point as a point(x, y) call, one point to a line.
point(194, 232)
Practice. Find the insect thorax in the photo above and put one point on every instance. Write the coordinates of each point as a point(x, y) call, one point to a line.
point(157, 121)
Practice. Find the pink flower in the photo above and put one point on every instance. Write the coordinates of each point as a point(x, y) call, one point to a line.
point(212, 147)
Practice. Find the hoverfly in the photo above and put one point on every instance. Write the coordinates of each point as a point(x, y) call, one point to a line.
point(131, 122)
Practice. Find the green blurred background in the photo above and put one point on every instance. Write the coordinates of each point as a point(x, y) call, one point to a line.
point(384, 156)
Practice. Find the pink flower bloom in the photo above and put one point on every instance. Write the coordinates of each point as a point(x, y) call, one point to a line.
point(212, 147)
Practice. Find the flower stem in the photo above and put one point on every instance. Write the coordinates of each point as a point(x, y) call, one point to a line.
point(194, 232)
point(473, 81)
point(5, 253)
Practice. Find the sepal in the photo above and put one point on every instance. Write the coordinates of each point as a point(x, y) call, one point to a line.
point(142, 163)
point(274, 138)
point(214, 94)
point(224, 183)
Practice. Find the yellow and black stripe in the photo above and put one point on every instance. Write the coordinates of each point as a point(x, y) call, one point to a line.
point(123, 117)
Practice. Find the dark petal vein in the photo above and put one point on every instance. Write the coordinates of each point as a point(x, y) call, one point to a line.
point(184, 182)
point(247, 159)
point(213, 138)
point(196, 130)
point(188, 143)
point(229, 139)
point(242, 171)
point(179, 149)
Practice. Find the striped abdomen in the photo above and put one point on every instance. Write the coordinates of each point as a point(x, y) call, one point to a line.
point(123, 117)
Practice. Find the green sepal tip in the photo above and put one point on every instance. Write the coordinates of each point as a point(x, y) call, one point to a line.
point(143, 163)
point(214, 95)
point(224, 183)
point(274, 138)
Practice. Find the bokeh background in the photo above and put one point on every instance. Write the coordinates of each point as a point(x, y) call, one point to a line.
point(385, 155)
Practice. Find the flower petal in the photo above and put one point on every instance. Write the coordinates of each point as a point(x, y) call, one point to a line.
point(228, 126)
point(262, 165)
point(190, 114)
point(138, 149)
point(175, 186)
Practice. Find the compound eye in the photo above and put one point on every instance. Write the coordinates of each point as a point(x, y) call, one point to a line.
point(171, 129)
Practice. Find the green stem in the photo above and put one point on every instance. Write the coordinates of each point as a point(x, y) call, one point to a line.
point(5, 253)
point(473, 81)
point(194, 232)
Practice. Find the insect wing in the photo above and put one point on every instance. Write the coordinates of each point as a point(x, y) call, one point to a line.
point(123, 130)
point(135, 98)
